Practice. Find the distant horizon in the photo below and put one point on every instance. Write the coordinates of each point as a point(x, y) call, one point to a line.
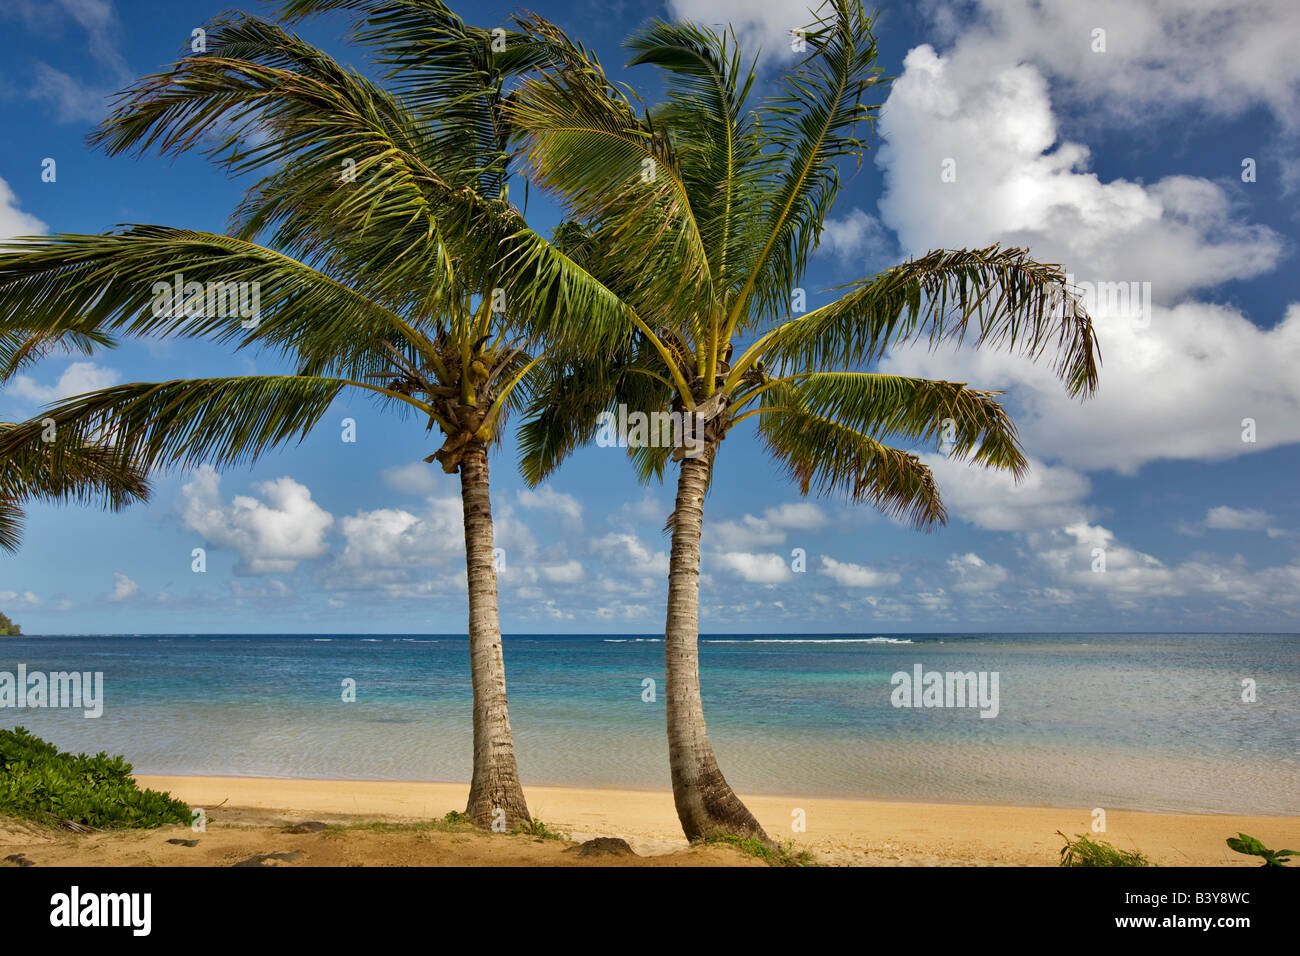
point(703, 634)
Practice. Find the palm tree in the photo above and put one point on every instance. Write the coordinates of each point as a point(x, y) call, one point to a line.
point(699, 217)
point(87, 471)
point(384, 211)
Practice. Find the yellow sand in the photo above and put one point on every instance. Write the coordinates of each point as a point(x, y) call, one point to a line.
point(860, 832)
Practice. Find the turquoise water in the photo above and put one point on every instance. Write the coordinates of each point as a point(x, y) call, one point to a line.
point(1150, 721)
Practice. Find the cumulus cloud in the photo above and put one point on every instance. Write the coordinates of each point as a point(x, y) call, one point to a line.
point(974, 574)
point(395, 538)
point(123, 587)
point(1224, 518)
point(1048, 495)
point(1016, 184)
point(569, 572)
point(76, 379)
point(1223, 58)
point(271, 536)
point(548, 499)
point(856, 575)
point(858, 237)
point(754, 568)
point(1090, 558)
point(766, 25)
point(628, 553)
point(27, 597)
point(753, 531)
point(13, 221)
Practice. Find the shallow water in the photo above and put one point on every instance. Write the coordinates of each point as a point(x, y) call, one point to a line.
point(1151, 721)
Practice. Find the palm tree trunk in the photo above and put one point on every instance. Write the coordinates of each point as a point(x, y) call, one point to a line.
point(495, 782)
point(706, 804)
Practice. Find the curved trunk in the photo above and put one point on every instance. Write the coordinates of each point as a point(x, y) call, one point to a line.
point(495, 782)
point(706, 804)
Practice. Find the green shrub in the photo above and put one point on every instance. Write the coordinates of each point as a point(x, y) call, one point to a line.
point(1084, 851)
point(39, 782)
point(1252, 847)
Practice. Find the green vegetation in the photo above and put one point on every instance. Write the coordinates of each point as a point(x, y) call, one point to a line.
point(1084, 851)
point(1252, 847)
point(77, 791)
point(537, 828)
point(8, 628)
point(774, 855)
point(452, 823)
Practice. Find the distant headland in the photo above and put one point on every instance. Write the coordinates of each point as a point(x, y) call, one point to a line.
point(8, 628)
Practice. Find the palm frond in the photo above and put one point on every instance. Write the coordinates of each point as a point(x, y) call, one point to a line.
point(969, 423)
point(125, 282)
point(217, 421)
point(812, 124)
point(833, 458)
point(74, 471)
point(581, 140)
point(996, 297)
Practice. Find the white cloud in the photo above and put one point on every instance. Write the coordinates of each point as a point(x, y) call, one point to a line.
point(394, 538)
point(1131, 579)
point(856, 575)
point(123, 587)
point(417, 478)
point(1224, 518)
point(1177, 381)
point(548, 499)
point(27, 597)
point(857, 238)
point(76, 379)
point(992, 499)
point(755, 568)
point(1160, 55)
point(767, 24)
point(74, 100)
point(772, 528)
point(974, 574)
point(271, 536)
point(13, 221)
point(570, 572)
point(631, 556)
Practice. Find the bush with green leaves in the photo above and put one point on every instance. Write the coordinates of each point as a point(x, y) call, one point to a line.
point(1084, 851)
point(39, 782)
point(1252, 847)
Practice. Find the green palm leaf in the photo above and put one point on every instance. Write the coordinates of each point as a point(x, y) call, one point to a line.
point(71, 471)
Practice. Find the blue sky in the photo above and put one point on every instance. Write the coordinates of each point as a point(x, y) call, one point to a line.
point(1124, 163)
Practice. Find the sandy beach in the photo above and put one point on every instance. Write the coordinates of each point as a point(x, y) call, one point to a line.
point(837, 831)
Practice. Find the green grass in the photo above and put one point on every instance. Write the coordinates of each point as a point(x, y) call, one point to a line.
point(1084, 851)
point(537, 828)
point(453, 822)
point(38, 782)
point(781, 855)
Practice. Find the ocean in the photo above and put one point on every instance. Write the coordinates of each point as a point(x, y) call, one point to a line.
point(1137, 721)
